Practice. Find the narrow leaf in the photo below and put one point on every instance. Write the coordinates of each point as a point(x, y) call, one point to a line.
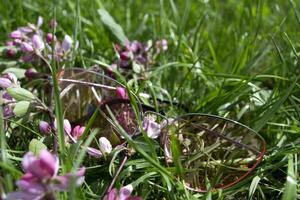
point(110, 23)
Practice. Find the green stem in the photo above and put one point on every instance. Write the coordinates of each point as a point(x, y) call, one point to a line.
point(58, 107)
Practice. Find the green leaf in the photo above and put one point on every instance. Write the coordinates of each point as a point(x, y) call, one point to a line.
point(21, 108)
point(36, 146)
point(110, 23)
point(290, 190)
point(253, 186)
point(20, 94)
point(20, 73)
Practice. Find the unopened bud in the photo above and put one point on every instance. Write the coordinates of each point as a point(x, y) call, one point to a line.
point(45, 128)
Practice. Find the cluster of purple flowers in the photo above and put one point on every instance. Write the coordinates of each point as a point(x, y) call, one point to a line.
point(33, 44)
point(137, 56)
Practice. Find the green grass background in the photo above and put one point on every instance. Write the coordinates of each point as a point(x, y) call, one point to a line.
point(233, 58)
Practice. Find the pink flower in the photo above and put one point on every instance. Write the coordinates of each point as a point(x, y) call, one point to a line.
point(77, 132)
point(121, 92)
point(40, 179)
point(123, 194)
point(152, 128)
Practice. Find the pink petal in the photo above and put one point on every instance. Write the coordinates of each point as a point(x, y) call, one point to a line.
point(125, 192)
point(16, 34)
point(78, 131)
point(27, 160)
point(38, 42)
point(152, 128)
point(26, 47)
point(94, 152)
point(67, 43)
point(5, 83)
point(50, 162)
point(113, 194)
point(67, 127)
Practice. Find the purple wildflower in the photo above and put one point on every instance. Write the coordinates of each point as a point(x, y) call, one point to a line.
point(77, 132)
point(123, 194)
point(40, 180)
point(152, 128)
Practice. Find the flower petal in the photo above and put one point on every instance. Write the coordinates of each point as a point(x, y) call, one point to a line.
point(27, 160)
point(113, 194)
point(125, 192)
point(23, 196)
point(67, 43)
point(105, 145)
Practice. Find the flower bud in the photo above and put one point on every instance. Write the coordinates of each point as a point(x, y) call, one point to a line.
point(30, 73)
point(5, 83)
point(10, 53)
point(67, 43)
point(38, 42)
point(125, 55)
point(16, 34)
point(121, 92)
point(44, 127)
point(49, 38)
point(26, 47)
point(77, 132)
point(105, 145)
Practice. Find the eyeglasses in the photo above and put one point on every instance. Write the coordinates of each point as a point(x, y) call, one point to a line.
point(214, 152)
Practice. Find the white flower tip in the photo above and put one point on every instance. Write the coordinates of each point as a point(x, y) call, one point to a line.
point(105, 145)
